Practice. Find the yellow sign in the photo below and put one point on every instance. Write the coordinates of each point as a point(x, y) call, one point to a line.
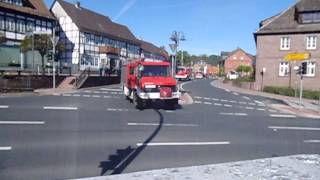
point(297, 56)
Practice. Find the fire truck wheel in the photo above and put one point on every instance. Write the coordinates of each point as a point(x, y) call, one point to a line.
point(172, 103)
point(138, 102)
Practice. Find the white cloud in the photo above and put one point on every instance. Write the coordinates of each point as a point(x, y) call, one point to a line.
point(124, 9)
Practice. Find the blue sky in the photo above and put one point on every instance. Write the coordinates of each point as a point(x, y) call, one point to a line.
point(210, 26)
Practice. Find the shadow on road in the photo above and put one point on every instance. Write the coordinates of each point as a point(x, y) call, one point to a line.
point(118, 162)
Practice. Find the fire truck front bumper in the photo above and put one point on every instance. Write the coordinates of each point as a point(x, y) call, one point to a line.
point(156, 95)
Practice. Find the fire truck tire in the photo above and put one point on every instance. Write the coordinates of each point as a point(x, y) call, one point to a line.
point(172, 104)
point(138, 102)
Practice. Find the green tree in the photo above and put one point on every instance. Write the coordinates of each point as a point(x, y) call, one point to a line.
point(42, 44)
point(243, 69)
point(186, 57)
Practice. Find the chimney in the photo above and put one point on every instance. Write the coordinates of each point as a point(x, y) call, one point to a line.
point(78, 5)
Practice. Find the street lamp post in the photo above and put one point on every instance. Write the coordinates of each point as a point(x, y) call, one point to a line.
point(176, 37)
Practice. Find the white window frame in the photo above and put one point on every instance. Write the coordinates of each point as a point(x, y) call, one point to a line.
point(311, 69)
point(285, 43)
point(311, 42)
point(284, 69)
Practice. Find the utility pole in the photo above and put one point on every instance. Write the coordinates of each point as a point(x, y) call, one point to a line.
point(176, 37)
point(54, 41)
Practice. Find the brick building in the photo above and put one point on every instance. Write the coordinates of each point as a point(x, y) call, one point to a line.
point(295, 30)
point(232, 60)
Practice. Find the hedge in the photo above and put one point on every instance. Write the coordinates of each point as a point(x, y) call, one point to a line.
point(286, 91)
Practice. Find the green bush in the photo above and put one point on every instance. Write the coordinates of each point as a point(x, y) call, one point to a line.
point(286, 91)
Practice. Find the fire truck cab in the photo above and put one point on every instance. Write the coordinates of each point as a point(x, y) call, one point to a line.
point(183, 73)
point(146, 81)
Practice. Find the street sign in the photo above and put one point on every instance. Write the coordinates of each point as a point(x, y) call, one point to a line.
point(297, 56)
point(54, 41)
point(173, 47)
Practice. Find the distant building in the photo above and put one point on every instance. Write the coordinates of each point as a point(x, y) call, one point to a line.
point(295, 30)
point(91, 39)
point(17, 18)
point(151, 52)
point(232, 60)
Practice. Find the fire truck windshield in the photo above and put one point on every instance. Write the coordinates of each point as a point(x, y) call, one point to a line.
point(150, 71)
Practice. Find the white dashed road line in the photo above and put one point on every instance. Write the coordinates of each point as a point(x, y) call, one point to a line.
point(224, 100)
point(217, 104)
point(76, 95)
point(250, 108)
point(184, 143)
point(242, 102)
point(235, 94)
point(260, 109)
point(234, 114)
point(4, 107)
point(8, 148)
point(227, 105)
point(59, 108)
point(106, 96)
point(245, 97)
point(66, 95)
point(312, 141)
point(294, 128)
point(86, 95)
point(215, 99)
point(253, 104)
point(22, 122)
point(169, 125)
point(198, 102)
point(282, 116)
point(227, 90)
point(198, 97)
point(119, 110)
point(208, 103)
point(96, 96)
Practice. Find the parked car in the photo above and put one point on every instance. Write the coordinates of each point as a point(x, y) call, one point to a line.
point(232, 75)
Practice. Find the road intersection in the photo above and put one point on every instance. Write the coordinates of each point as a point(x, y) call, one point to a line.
point(97, 131)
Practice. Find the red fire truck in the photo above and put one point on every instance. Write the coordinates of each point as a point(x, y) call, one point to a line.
point(183, 73)
point(146, 81)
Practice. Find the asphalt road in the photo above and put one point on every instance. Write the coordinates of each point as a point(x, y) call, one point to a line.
point(97, 132)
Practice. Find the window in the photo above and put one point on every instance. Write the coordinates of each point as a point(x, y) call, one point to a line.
point(285, 43)
point(311, 69)
point(2, 22)
point(30, 26)
point(284, 69)
point(21, 26)
point(312, 42)
point(10, 24)
point(313, 17)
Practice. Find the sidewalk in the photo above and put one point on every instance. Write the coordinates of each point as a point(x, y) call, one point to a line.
point(289, 167)
point(310, 108)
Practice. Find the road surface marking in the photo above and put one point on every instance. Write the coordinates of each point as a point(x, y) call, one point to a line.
point(105, 92)
point(87, 91)
point(184, 143)
point(59, 108)
point(166, 124)
point(198, 97)
point(233, 101)
point(121, 110)
point(242, 103)
point(208, 103)
point(56, 94)
point(86, 95)
point(215, 99)
point(108, 89)
point(96, 96)
point(96, 92)
point(227, 90)
point(8, 148)
point(206, 98)
point(67, 95)
point(4, 107)
point(76, 95)
point(253, 104)
point(106, 96)
point(258, 102)
point(262, 105)
point(250, 108)
point(312, 141)
point(235, 94)
point(245, 97)
point(295, 128)
point(234, 114)
point(170, 111)
point(260, 109)
point(21, 122)
point(282, 116)
point(271, 110)
point(114, 93)
point(217, 104)
point(227, 105)
point(198, 102)
point(224, 100)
